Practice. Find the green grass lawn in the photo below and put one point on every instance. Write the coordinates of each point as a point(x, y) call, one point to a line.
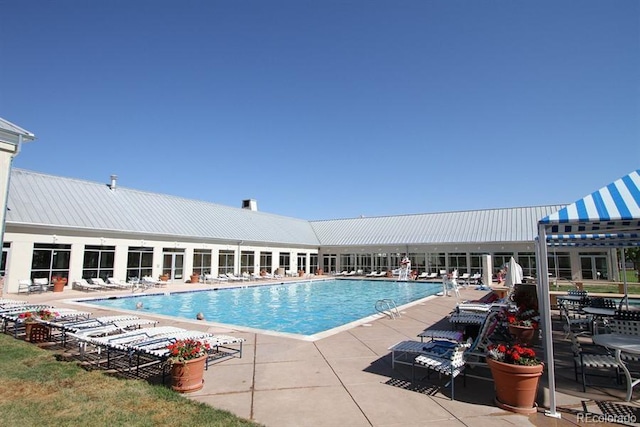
point(633, 288)
point(39, 390)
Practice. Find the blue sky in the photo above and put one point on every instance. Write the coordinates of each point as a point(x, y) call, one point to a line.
point(329, 109)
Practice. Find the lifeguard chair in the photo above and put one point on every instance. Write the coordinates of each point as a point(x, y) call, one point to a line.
point(405, 268)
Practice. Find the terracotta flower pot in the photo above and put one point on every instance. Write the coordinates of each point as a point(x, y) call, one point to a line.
point(186, 377)
point(195, 278)
point(36, 332)
point(522, 334)
point(516, 386)
point(59, 284)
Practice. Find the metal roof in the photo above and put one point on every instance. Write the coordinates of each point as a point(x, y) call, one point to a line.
point(12, 132)
point(482, 226)
point(37, 199)
point(53, 201)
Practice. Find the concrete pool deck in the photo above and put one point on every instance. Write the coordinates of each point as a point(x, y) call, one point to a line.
point(346, 379)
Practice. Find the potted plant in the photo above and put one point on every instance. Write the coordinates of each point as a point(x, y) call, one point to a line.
point(59, 283)
point(164, 277)
point(516, 371)
point(31, 318)
point(524, 323)
point(187, 359)
point(195, 277)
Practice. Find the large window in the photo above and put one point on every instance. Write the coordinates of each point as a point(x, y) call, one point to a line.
point(418, 262)
point(202, 261)
point(266, 261)
point(50, 260)
point(500, 261)
point(313, 262)
point(458, 261)
point(560, 265)
point(139, 262)
point(347, 262)
point(247, 261)
point(285, 260)
point(98, 262)
point(436, 262)
point(226, 262)
point(364, 262)
point(476, 263)
point(527, 261)
point(380, 262)
point(394, 260)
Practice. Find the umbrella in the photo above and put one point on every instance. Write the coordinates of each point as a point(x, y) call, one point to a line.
point(514, 273)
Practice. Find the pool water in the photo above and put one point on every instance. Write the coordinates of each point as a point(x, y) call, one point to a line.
point(303, 308)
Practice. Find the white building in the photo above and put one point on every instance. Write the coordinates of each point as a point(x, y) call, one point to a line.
point(58, 226)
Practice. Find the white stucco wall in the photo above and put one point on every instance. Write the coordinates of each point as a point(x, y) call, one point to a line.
point(21, 251)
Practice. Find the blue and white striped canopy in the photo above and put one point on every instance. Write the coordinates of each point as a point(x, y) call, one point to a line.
point(607, 217)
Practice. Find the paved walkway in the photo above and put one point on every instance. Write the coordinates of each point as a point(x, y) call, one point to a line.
point(346, 379)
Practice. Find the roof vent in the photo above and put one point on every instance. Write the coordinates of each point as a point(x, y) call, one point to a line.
point(250, 204)
point(114, 180)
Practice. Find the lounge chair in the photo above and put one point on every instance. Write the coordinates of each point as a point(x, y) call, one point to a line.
point(446, 360)
point(43, 282)
point(474, 279)
point(119, 284)
point(219, 345)
point(467, 317)
point(149, 282)
point(104, 285)
point(27, 285)
point(119, 341)
point(209, 279)
point(464, 279)
point(83, 285)
point(235, 278)
point(351, 273)
point(431, 276)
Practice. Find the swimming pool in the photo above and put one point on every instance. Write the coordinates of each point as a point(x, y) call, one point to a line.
point(301, 308)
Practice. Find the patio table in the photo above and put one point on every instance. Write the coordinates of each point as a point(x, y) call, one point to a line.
point(621, 343)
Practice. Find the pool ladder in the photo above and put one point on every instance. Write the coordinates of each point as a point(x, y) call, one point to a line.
point(388, 308)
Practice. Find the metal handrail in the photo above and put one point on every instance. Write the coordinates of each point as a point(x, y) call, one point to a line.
point(388, 308)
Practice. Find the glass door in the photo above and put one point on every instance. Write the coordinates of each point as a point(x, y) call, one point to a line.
point(173, 265)
point(329, 263)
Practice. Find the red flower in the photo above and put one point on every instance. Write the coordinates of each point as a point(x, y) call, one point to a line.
point(516, 354)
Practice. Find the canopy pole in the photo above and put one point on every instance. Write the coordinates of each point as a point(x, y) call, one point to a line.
point(544, 301)
point(624, 280)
